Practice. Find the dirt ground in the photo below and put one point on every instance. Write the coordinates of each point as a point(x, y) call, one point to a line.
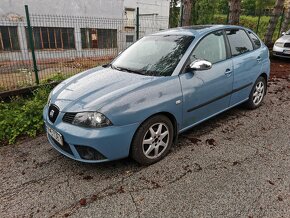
point(235, 165)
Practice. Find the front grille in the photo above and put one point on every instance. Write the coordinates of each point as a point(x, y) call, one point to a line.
point(53, 112)
point(68, 117)
point(65, 147)
point(287, 45)
point(282, 54)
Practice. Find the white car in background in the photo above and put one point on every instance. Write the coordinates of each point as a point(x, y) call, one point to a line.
point(282, 46)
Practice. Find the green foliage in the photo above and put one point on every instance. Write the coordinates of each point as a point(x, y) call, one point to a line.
point(174, 13)
point(56, 77)
point(22, 117)
point(251, 23)
point(222, 7)
point(205, 11)
point(249, 7)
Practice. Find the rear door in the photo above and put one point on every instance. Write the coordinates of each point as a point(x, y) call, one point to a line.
point(246, 63)
point(207, 92)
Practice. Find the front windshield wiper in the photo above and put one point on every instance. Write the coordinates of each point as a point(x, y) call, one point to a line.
point(125, 69)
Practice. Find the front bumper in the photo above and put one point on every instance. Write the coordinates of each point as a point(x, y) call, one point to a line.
point(279, 52)
point(110, 143)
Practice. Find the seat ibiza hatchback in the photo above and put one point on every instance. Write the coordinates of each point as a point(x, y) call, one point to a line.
point(160, 86)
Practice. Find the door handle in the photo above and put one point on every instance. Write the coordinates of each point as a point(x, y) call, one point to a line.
point(228, 72)
point(259, 59)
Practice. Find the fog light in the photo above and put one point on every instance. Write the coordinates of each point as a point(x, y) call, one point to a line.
point(89, 153)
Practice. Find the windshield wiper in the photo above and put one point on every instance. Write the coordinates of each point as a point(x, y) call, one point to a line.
point(125, 69)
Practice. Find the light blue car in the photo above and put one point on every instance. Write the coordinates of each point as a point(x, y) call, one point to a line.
point(160, 86)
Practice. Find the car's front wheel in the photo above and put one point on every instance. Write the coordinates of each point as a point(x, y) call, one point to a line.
point(152, 140)
point(257, 94)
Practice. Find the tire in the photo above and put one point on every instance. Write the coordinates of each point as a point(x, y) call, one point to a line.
point(151, 143)
point(257, 94)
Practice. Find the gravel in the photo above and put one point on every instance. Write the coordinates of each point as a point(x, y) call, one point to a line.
point(234, 165)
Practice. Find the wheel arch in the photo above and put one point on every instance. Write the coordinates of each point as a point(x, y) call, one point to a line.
point(265, 76)
point(170, 116)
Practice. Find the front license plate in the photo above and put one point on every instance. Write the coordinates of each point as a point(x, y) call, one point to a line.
point(286, 51)
point(55, 135)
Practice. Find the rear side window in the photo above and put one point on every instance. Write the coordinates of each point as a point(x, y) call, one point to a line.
point(239, 41)
point(211, 48)
point(256, 41)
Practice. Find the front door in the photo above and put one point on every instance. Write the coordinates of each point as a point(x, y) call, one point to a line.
point(207, 92)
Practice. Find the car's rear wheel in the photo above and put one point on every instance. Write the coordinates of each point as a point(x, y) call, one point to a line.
point(257, 94)
point(152, 140)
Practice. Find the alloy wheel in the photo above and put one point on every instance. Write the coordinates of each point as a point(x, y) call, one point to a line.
point(258, 93)
point(155, 140)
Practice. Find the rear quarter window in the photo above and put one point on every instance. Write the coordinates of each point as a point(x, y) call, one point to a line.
point(239, 41)
point(255, 39)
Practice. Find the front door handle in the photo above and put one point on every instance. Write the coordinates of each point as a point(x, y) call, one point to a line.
point(259, 59)
point(228, 72)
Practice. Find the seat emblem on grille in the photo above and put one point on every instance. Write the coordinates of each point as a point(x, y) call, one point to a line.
point(51, 113)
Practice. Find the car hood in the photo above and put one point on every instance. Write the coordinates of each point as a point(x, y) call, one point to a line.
point(94, 88)
point(285, 38)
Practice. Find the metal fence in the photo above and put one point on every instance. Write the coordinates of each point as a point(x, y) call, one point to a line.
point(256, 20)
point(64, 45)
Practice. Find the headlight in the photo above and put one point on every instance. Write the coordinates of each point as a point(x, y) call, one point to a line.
point(49, 98)
point(91, 119)
point(279, 44)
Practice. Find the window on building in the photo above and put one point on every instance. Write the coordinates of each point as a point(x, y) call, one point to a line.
point(52, 38)
point(130, 38)
point(99, 38)
point(130, 17)
point(9, 38)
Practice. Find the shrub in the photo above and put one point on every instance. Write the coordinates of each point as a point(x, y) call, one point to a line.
point(22, 117)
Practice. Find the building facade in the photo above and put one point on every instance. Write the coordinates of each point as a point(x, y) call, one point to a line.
point(71, 29)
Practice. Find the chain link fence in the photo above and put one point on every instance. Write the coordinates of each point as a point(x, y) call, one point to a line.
point(64, 45)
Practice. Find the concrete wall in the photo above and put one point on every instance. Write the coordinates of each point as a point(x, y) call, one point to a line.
point(94, 8)
point(154, 16)
point(159, 7)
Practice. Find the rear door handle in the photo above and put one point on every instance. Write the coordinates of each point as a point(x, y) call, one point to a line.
point(259, 59)
point(228, 72)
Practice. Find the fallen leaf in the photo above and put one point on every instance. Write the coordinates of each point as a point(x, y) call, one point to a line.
point(83, 202)
point(211, 142)
point(121, 190)
point(87, 177)
point(270, 182)
point(236, 163)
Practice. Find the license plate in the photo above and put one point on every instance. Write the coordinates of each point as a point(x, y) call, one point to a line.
point(55, 135)
point(286, 51)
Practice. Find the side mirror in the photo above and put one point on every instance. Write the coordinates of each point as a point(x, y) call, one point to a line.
point(283, 33)
point(200, 65)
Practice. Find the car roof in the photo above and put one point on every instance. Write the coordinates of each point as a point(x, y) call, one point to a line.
point(195, 30)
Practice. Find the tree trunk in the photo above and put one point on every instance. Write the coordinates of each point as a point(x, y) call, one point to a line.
point(187, 7)
point(286, 21)
point(273, 21)
point(235, 10)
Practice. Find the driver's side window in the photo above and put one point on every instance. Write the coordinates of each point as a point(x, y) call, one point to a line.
point(211, 48)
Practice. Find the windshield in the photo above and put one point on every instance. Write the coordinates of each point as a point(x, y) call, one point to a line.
point(288, 32)
point(153, 55)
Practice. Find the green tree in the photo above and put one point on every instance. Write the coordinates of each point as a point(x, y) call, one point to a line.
point(174, 13)
point(222, 7)
point(205, 11)
point(249, 7)
point(277, 11)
